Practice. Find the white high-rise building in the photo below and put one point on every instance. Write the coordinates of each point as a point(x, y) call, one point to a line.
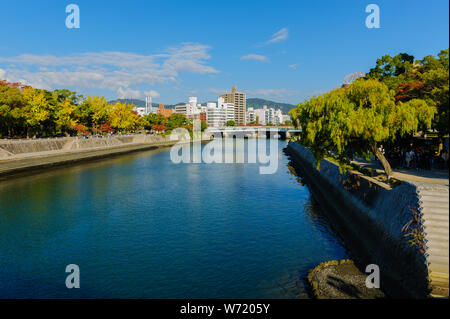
point(148, 104)
point(278, 117)
point(251, 115)
point(219, 114)
point(229, 107)
point(215, 116)
point(148, 108)
point(191, 110)
point(261, 116)
point(267, 115)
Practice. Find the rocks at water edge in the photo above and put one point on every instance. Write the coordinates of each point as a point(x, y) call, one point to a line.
point(340, 280)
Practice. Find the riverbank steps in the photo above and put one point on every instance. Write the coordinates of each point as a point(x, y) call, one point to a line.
point(340, 280)
point(370, 216)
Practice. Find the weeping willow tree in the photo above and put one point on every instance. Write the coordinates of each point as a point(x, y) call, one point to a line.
point(356, 119)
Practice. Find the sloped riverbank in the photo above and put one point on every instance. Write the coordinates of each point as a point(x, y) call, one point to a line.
point(370, 218)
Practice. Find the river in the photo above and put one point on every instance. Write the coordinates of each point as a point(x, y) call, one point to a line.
point(140, 226)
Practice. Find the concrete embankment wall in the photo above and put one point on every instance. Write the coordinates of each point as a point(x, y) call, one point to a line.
point(369, 217)
point(30, 146)
point(25, 155)
point(14, 147)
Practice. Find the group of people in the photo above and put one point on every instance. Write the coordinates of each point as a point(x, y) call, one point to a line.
point(418, 157)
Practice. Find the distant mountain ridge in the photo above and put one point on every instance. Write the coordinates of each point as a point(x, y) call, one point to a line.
point(251, 102)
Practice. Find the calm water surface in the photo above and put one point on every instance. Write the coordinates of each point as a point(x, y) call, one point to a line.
point(139, 226)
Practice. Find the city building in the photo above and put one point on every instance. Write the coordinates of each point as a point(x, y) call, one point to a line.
point(261, 116)
point(203, 116)
point(141, 111)
point(228, 107)
point(239, 101)
point(165, 112)
point(192, 110)
point(215, 117)
point(218, 114)
point(286, 118)
point(278, 117)
point(267, 116)
point(251, 115)
point(148, 108)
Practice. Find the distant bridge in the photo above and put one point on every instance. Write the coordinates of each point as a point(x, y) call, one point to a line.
point(282, 132)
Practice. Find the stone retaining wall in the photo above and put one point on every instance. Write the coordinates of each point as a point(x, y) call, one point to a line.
point(21, 156)
point(10, 148)
point(369, 218)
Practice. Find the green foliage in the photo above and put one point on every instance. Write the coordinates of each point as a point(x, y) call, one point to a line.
point(426, 79)
point(230, 123)
point(413, 231)
point(390, 67)
point(353, 120)
point(398, 97)
point(25, 111)
point(123, 117)
point(176, 120)
point(203, 125)
point(153, 119)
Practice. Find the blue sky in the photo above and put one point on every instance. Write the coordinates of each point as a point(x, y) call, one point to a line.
point(280, 50)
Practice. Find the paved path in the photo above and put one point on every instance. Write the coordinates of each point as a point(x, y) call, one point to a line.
point(435, 176)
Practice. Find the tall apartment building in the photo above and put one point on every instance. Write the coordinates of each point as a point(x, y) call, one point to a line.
point(278, 117)
point(240, 103)
point(148, 108)
point(219, 114)
point(148, 104)
point(251, 115)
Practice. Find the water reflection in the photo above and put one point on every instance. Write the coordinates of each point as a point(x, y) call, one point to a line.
point(140, 226)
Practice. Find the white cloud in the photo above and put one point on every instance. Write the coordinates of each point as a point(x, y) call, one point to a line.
point(279, 36)
point(128, 93)
point(2, 74)
point(217, 91)
point(108, 70)
point(256, 57)
point(189, 58)
point(273, 93)
point(152, 93)
point(293, 66)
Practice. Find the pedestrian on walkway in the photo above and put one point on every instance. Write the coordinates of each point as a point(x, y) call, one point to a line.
point(408, 158)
